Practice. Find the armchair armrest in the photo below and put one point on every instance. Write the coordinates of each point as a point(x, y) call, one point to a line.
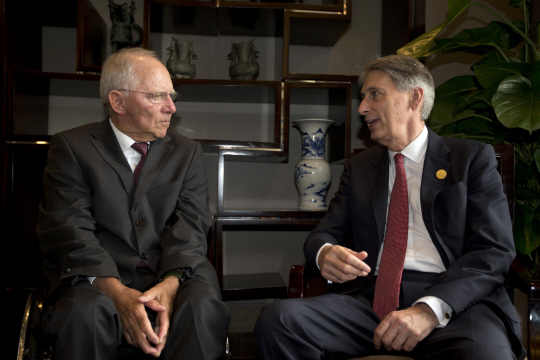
point(306, 281)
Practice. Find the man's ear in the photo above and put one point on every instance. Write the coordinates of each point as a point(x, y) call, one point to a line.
point(117, 102)
point(417, 98)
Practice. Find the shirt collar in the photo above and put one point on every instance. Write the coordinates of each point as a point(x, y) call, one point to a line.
point(416, 150)
point(124, 140)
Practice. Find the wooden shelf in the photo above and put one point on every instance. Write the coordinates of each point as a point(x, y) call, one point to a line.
point(286, 4)
point(253, 286)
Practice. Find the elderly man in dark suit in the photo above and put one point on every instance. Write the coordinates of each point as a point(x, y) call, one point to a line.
point(123, 227)
point(423, 223)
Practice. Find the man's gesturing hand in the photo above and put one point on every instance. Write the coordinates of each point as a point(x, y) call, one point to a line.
point(339, 264)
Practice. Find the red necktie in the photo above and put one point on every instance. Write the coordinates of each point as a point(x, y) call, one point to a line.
point(141, 148)
point(388, 282)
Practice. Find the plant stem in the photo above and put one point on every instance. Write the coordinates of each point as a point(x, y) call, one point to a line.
point(509, 23)
point(526, 21)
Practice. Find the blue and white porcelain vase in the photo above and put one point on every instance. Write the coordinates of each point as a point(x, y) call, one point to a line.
point(312, 174)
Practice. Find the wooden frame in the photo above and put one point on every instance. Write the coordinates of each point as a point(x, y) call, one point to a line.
point(337, 22)
point(338, 7)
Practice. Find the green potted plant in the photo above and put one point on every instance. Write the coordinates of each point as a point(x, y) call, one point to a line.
point(499, 102)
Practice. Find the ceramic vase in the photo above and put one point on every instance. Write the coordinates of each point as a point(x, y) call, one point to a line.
point(180, 63)
point(243, 57)
point(312, 174)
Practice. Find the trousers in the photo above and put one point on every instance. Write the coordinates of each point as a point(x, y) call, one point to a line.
point(341, 326)
point(84, 323)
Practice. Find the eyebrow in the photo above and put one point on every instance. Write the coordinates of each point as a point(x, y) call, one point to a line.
point(370, 89)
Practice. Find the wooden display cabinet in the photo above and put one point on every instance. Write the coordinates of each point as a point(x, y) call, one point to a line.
point(49, 89)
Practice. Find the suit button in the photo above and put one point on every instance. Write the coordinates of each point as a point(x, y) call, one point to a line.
point(144, 256)
point(140, 222)
point(66, 271)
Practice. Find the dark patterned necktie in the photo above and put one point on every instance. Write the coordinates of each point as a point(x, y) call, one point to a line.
point(141, 148)
point(386, 297)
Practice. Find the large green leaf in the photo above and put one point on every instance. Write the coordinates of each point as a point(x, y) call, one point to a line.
point(477, 99)
point(491, 58)
point(526, 228)
point(482, 40)
point(476, 126)
point(447, 96)
point(489, 74)
point(456, 86)
point(419, 47)
point(517, 102)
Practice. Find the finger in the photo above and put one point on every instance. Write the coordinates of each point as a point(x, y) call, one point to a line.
point(148, 296)
point(336, 275)
point(390, 339)
point(146, 331)
point(128, 339)
point(379, 332)
point(145, 346)
point(155, 305)
point(399, 340)
point(159, 348)
point(355, 260)
point(162, 322)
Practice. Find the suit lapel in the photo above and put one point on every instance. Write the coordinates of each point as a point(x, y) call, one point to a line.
point(378, 186)
point(159, 152)
point(436, 159)
point(107, 145)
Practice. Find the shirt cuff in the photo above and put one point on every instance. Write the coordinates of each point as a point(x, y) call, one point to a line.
point(318, 253)
point(317, 258)
point(91, 279)
point(442, 310)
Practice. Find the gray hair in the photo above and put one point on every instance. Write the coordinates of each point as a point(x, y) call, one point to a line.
point(118, 71)
point(407, 73)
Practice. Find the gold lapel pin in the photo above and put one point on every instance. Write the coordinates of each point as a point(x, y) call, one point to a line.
point(441, 174)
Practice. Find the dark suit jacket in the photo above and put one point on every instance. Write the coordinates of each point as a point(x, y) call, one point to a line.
point(466, 215)
point(95, 221)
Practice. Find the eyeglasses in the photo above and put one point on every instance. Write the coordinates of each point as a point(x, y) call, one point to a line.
point(157, 98)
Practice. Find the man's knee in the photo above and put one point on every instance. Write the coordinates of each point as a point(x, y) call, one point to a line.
point(278, 316)
point(83, 302)
point(203, 302)
point(476, 334)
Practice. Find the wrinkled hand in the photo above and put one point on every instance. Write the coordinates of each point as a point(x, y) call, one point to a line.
point(161, 298)
point(403, 329)
point(130, 305)
point(340, 264)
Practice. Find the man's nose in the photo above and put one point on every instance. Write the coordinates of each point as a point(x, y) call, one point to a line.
point(170, 107)
point(363, 108)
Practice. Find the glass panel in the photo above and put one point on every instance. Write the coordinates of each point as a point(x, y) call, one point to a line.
point(43, 106)
point(263, 251)
point(228, 113)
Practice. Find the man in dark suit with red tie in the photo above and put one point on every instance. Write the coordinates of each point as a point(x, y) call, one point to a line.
point(123, 227)
point(419, 229)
